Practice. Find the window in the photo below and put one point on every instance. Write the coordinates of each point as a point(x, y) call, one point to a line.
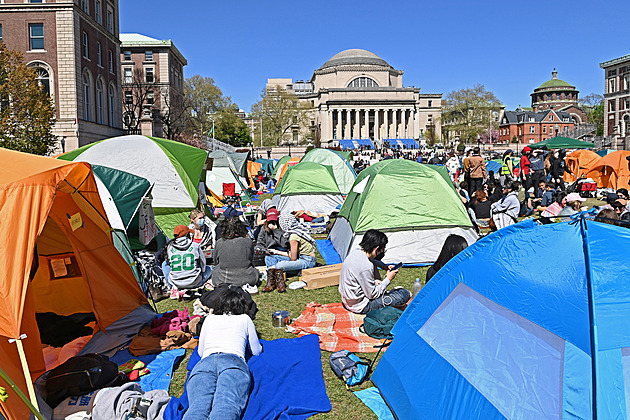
point(128, 97)
point(86, 52)
point(0, 32)
point(84, 6)
point(35, 1)
point(611, 85)
point(112, 115)
point(429, 118)
point(110, 21)
point(363, 82)
point(150, 98)
point(43, 78)
point(111, 61)
point(36, 36)
point(99, 54)
point(148, 56)
point(611, 106)
point(149, 75)
point(627, 103)
point(127, 55)
point(87, 115)
point(98, 9)
point(430, 104)
point(532, 129)
point(545, 129)
point(626, 78)
point(551, 118)
point(100, 102)
point(128, 75)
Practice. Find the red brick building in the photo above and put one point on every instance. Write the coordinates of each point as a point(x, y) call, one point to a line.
point(74, 47)
point(531, 127)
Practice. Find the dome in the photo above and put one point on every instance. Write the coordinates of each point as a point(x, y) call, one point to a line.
point(554, 82)
point(353, 57)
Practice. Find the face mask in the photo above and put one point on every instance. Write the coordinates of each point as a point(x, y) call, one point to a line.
point(200, 222)
point(380, 255)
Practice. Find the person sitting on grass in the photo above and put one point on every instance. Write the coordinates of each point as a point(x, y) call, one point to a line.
point(203, 229)
point(218, 386)
point(301, 254)
point(360, 284)
point(271, 236)
point(185, 265)
point(233, 257)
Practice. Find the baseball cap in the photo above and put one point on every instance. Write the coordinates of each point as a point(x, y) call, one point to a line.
point(272, 215)
point(574, 197)
point(181, 230)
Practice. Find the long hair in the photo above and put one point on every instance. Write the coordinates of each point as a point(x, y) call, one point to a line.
point(232, 301)
point(233, 228)
point(453, 245)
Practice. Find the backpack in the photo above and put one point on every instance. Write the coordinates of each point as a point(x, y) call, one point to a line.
point(349, 367)
point(81, 375)
point(379, 322)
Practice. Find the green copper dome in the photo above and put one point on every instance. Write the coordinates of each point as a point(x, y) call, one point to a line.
point(555, 82)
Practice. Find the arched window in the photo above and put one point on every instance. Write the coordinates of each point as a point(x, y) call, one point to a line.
point(87, 114)
point(42, 73)
point(112, 109)
point(363, 82)
point(100, 102)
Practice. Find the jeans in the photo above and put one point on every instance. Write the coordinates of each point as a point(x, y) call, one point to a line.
point(394, 297)
point(166, 269)
point(225, 375)
point(284, 263)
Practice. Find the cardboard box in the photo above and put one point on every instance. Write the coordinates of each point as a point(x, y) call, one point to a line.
point(318, 277)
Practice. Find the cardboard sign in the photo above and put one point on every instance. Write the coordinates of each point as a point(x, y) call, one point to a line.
point(75, 221)
point(148, 229)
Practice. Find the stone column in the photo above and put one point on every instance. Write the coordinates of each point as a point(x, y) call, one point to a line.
point(377, 127)
point(385, 124)
point(347, 133)
point(395, 123)
point(357, 124)
point(331, 121)
point(339, 115)
point(403, 123)
point(366, 125)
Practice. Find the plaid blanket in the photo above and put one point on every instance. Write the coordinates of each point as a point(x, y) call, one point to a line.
point(336, 327)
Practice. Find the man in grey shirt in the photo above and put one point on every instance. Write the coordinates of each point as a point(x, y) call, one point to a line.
point(360, 284)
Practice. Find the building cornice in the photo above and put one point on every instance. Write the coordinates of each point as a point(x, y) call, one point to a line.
point(163, 44)
point(615, 61)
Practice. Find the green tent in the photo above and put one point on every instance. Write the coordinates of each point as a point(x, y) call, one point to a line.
point(414, 204)
point(279, 165)
point(172, 167)
point(342, 169)
point(562, 143)
point(308, 186)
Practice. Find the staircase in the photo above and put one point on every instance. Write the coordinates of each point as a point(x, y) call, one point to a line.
point(580, 131)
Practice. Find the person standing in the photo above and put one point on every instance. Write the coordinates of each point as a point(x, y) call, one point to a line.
point(507, 168)
point(466, 167)
point(537, 166)
point(478, 172)
point(524, 168)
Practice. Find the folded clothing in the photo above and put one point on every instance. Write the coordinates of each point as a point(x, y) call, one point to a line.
point(171, 321)
point(120, 403)
point(55, 356)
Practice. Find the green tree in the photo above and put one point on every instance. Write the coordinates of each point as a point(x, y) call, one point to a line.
point(27, 114)
point(593, 104)
point(231, 129)
point(469, 112)
point(205, 100)
point(282, 113)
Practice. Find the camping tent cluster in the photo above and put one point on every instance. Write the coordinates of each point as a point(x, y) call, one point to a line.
point(528, 323)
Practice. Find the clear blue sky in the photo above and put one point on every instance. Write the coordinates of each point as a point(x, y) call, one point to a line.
point(510, 47)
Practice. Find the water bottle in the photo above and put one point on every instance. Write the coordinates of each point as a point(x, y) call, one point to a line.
point(416, 287)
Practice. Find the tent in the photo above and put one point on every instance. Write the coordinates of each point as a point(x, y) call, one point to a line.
point(342, 169)
point(414, 204)
point(308, 186)
point(611, 171)
point(52, 215)
point(285, 166)
point(562, 143)
point(579, 162)
point(252, 170)
point(267, 165)
point(279, 165)
point(528, 323)
point(174, 169)
point(227, 168)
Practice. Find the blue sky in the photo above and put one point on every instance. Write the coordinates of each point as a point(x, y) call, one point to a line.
point(510, 47)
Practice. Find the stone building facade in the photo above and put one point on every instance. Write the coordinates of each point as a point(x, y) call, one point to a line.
point(358, 95)
point(558, 95)
point(152, 74)
point(74, 47)
point(617, 100)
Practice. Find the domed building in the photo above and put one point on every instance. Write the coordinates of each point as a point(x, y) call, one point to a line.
point(558, 95)
point(357, 95)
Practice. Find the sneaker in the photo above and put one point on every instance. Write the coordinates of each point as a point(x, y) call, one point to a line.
point(252, 290)
point(174, 294)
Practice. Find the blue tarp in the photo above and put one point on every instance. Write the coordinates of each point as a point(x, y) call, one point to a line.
point(491, 165)
point(355, 143)
point(327, 251)
point(504, 331)
point(406, 143)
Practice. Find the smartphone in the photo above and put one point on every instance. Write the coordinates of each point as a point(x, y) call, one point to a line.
point(380, 264)
point(397, 266)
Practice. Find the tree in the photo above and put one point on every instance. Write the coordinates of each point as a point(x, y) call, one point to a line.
point(469, 112)
point(488, 137)
point(139, 96)
point(231, 129)
point(174, 111)
point(27, 114)
point(205, 100)
point(594, 106)
point(282, 113)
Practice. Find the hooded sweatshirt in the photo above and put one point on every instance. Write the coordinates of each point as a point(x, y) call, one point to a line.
point(187, 263)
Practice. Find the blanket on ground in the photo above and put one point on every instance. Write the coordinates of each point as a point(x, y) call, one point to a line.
point(287, 382)
point(160, 367)
point(337, 328)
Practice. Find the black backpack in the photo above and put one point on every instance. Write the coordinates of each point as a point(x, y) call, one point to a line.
point(81, 375)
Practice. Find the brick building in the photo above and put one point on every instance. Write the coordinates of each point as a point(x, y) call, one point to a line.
point(617, 100)
point(532, 127)
point(74, 47)
point(558, 95)
point(153, 86)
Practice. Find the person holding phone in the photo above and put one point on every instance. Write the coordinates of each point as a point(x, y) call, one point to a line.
point(360, 285)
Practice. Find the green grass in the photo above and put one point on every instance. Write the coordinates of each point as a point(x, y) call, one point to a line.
point(345, 406)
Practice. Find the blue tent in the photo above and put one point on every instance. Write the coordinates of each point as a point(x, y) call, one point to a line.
point(504, 329)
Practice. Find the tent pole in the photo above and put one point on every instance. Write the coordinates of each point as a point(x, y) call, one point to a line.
point(20, 394)
point(591, 312)
point(27, 372)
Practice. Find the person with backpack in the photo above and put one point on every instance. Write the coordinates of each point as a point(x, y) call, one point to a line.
point(360, 284)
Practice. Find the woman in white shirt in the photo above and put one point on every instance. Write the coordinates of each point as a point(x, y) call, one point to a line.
point(219, 384)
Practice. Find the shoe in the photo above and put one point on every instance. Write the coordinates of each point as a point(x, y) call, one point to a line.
point(174, 293)
point(252, 290)
point(281, 284)
point(297, 285)
point(271, 280)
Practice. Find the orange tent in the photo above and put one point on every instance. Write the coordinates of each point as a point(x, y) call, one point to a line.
point(579, 162)
point(611, 171)
point(252, 171)
point(55, 205)
point(286, 166)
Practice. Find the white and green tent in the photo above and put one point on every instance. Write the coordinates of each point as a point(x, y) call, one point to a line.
point(414, 204)
point(173, 168)
point(342, 169)
point(228, 168)
point(308, 186)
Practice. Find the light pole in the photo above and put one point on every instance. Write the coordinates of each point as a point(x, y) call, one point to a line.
point(262, 111)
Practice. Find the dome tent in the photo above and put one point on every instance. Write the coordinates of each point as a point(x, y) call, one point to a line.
point(611, 171)
point(516, 326)
point(414, 204)
point(579, 162)
point(174, 169)
point(342, 169)
point(228, 168)
point(308, 186)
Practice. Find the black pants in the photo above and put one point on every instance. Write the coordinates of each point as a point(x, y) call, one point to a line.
point(475, 184)
point(537, 177)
